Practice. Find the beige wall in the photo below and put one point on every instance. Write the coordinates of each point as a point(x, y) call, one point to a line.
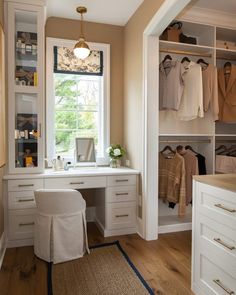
point(133, 78)
point(101, 33)
point(1, 169)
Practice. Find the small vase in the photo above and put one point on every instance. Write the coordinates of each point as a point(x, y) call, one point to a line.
point(114, 163)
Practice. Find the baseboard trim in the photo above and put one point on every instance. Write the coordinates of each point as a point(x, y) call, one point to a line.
point(2, 248)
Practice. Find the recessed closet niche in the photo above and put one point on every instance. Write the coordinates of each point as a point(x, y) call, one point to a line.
point(216, 46)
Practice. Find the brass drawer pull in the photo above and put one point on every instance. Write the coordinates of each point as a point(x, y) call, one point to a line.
point(122, 194)
point(122, 180)
point(25, 185)
point(80, 182)
point(218, 282)
point(122, 215)
point(218, 240)
point(25, 200)
point(224, 208)
point(26, 224)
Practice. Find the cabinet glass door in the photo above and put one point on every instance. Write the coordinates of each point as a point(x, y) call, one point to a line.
point(26, 130)
point(26, 48)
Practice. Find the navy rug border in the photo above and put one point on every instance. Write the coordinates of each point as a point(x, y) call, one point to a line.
point(117, 243)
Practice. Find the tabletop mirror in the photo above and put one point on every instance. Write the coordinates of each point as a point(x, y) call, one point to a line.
point(84, 150)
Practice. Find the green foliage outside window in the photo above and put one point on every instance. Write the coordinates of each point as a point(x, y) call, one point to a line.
point(76, 110)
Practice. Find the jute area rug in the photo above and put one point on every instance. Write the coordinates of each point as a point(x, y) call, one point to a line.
point(107, 270)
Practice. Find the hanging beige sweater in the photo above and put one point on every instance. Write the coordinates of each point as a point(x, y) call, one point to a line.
point(191, 168)
point(172, 181)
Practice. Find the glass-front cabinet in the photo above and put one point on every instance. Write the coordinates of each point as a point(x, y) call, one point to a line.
point(25, 41)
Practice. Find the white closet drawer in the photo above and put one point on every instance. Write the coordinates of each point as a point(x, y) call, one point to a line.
point(21, 224)
point(24, 185)
point(121, 194)
point(219, 234)
point(217, 203)
point(219, 247)
point(213, 280)
point(75, 182)
point(121, 180)
point(21, 200)
point(121, 215)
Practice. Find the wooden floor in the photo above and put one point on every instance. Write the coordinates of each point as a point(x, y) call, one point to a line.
point(165, 264)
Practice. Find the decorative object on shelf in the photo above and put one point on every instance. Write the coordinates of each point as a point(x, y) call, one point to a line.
point(25, 75)
point(26, 43)
point(115, 152)
point(172, 32)
point(81, 49)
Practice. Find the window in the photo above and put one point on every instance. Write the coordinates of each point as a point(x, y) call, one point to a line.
point(77, 104)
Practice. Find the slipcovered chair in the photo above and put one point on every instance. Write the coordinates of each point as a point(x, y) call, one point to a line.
point(60, 225)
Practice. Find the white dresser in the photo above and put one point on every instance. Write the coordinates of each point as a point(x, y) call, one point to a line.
point(114, 192)
point(214, 235)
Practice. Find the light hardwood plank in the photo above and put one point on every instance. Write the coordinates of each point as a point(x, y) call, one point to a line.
point(165, 264)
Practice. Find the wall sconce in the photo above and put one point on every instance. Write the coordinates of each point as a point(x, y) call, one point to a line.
point(81, 48)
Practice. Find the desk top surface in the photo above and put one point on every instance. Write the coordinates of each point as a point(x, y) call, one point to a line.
point(77, 172)
point(224, 181)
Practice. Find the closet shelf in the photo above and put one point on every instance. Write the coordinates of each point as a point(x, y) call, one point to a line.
point(185, 49)
point(186, 141)
point(185, 135)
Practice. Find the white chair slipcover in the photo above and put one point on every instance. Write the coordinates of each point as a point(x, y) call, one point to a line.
point(60, 225)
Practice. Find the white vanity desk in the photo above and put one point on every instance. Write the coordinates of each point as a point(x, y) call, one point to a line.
point(115, 194)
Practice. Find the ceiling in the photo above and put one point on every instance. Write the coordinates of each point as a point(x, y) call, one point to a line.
point(228, 6)
point(102, 11)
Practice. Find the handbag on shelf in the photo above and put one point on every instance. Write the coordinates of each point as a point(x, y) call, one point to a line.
point(187, 39)
point(172, 32)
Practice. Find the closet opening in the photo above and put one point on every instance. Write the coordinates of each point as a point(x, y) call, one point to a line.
point(196, 61)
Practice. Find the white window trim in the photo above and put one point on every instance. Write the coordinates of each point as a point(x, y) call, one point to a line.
point(50, 43)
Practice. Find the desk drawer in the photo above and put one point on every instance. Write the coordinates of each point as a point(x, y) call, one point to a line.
point(18, 185)
point(213, 280)
point(121, 194)
point(21, 200)
point(21, 224)
point(121, 180)
point(75, 182)
point(121, 215)
point(217, 204)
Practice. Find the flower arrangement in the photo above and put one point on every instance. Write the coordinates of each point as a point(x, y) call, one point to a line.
point(115, 152)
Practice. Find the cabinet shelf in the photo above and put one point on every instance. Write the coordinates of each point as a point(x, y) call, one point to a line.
point(23, 140)
point(26, 89)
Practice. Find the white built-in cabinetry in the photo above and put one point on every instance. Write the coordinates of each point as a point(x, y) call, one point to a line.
point(25, 67)
point(114, 195)
point(203, 134)
point(214, 235)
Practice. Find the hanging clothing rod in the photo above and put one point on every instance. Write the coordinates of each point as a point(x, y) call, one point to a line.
point(186, 52)
point(186, 141)
point(226, 58)
point(226, 140)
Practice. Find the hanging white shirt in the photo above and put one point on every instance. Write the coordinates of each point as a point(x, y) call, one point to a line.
point(191, 105)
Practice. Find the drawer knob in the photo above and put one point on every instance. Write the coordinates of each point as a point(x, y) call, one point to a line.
point(122, 215)
point(122, 180)
point(25, 200)
point(25, 185)
point(26, 223)
point(225, 208)
point(218, 282)
point(218, 240)
point(80, 182)
point(122, 194)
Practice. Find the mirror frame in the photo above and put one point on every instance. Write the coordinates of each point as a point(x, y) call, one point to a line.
point(77, 140)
